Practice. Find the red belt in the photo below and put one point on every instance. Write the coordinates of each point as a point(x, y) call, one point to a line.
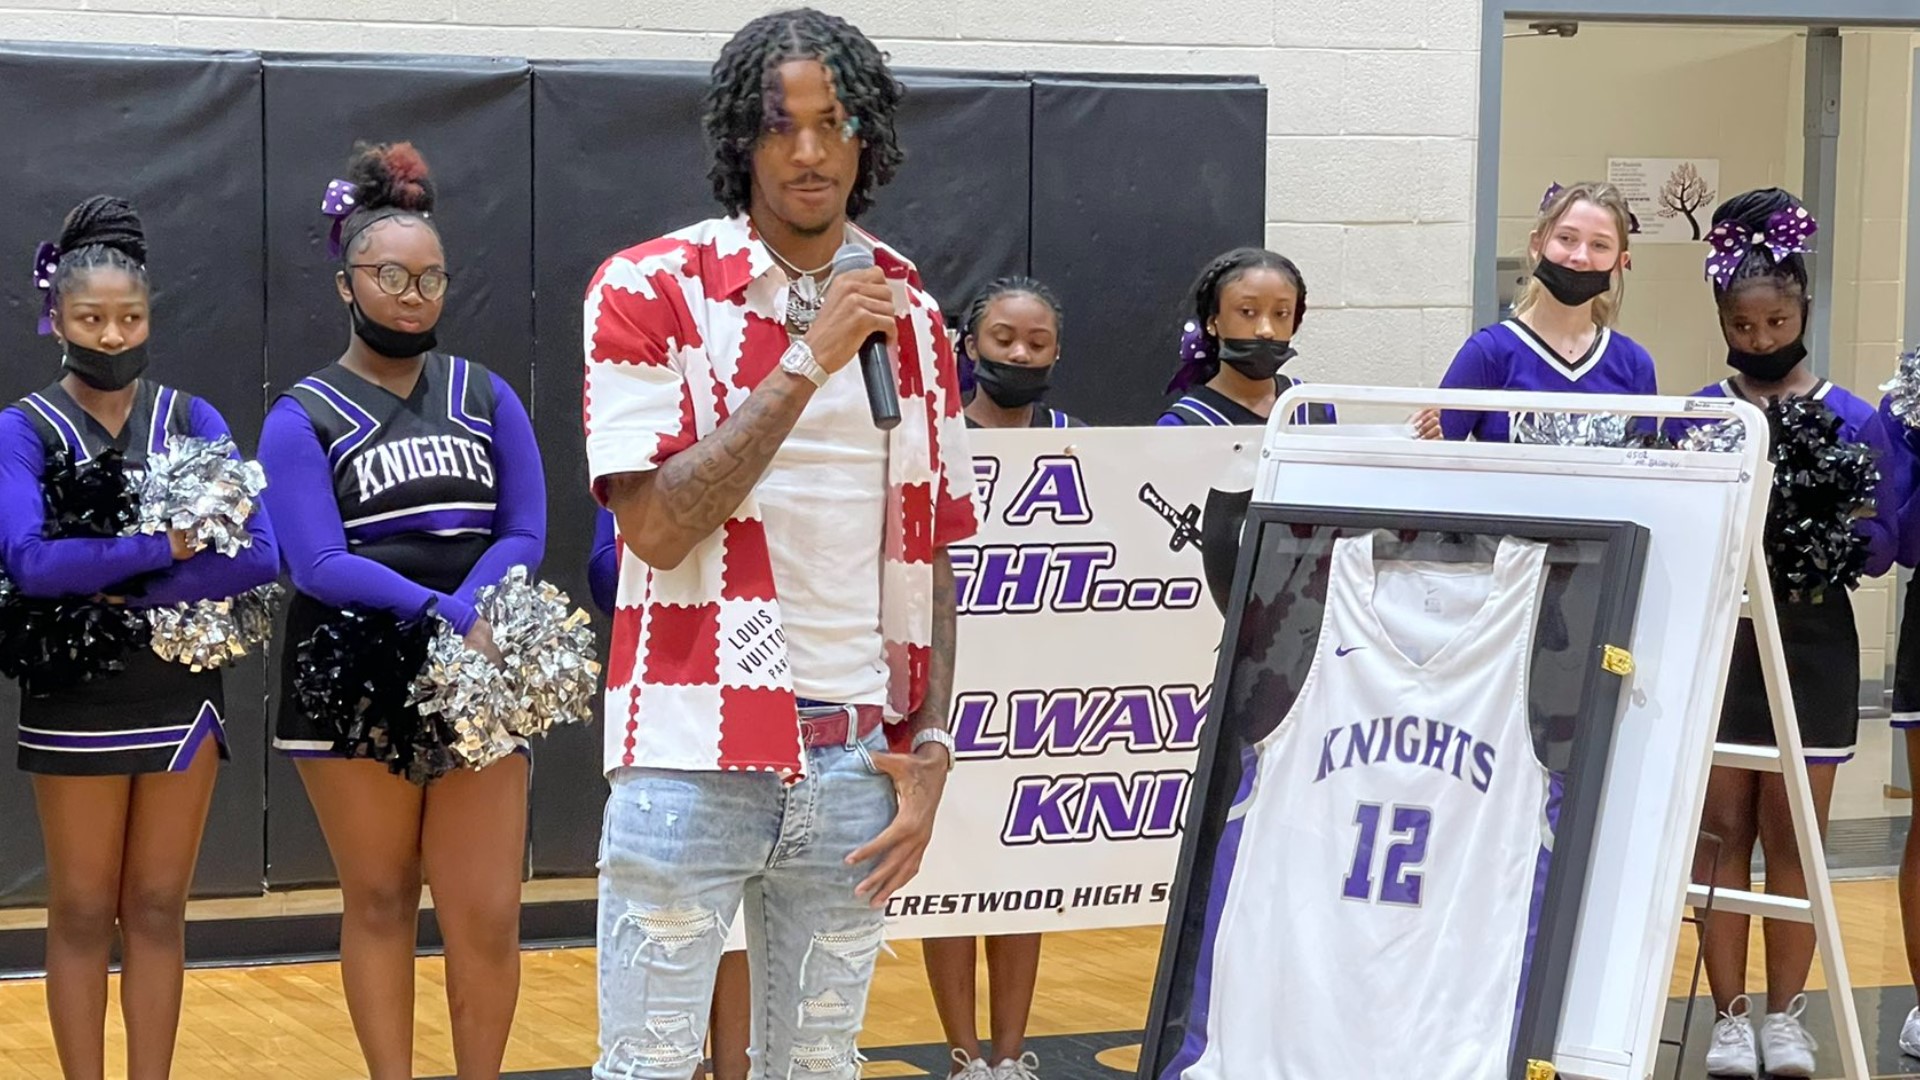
point(830, 729)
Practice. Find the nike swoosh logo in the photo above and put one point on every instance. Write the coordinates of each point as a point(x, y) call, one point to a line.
point(1345, 649)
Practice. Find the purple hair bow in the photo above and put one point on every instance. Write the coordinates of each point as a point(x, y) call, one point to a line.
point(1197, 362)
point(46, 262)
point(1786, 234)
point(338, 203)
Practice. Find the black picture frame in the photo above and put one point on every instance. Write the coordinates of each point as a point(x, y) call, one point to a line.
point(1621, 564)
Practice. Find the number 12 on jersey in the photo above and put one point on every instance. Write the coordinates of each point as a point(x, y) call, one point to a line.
point(1406, 850)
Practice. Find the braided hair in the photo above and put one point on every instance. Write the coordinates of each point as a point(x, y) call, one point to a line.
point(1012, 285)
point(1200, 346)
point(1752, 211)
point(101, 232)
point(744, 100)
point(390, 180)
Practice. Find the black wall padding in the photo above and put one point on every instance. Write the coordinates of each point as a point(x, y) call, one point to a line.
point(178, 133)
point(959, 205)
point(472, 118)
point(618, 159)
point(1135, 188)
point(1112, 191)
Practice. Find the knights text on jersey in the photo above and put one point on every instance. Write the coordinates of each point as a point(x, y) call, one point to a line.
point(1378, 912)
point(422, 464)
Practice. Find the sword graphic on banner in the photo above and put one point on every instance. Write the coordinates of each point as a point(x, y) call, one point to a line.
point(1186, 523)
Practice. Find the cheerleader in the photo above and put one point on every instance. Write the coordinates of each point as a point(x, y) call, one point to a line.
point(1247, 306)
point(1009, 344)
point(435, 491)
point(123, 765)
point(1906, 691)
point(1561, 337)
point(1760, 285)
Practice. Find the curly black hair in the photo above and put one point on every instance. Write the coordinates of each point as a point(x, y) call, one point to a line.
point(1013, 285)
point(1752, 211)
point(390, 180)
point(103, 231)
point(743, 101)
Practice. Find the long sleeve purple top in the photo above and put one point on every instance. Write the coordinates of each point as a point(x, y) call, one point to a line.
point(313, 539)
point(603, 567)
point(42, 566)
point(1903, 462)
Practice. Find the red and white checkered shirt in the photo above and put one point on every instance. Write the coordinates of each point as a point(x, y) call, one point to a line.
point(679, 331)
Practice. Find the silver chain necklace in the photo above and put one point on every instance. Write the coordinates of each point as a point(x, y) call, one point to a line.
point(804, 295)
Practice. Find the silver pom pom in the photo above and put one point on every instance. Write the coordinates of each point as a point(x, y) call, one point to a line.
point(214, 633)
point(547, 673)
point(1720, 437)
point(548, 650)
point(1904, 388)
point(1571, 429)
point(199, 488)
point(471, 697)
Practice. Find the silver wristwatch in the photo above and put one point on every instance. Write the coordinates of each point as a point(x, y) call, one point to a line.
point(935, 735)
point(798, 360)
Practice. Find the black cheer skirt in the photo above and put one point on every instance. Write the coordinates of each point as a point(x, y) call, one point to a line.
point(1906, 663)
point(150, 718)
point(438, 563)
point(1823, 671)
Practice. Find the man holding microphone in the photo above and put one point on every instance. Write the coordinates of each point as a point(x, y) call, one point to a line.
point(782, 654)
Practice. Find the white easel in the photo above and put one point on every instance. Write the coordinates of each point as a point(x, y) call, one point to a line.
point(1705, 514)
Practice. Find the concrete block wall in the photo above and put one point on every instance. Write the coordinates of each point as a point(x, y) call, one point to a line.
point(1371, 126)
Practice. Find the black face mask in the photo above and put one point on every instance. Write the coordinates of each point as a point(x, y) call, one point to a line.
point(1767, 367)
point(1258, 359)
point(105, 371)
point(1572, 287)
point(1011, 386)
point(388, 342)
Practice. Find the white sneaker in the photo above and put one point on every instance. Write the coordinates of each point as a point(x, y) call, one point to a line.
point(1785, 1044)
point(971, 1068)
point(1732, 1052)
point(1026, 1068)
point(1910, 1035)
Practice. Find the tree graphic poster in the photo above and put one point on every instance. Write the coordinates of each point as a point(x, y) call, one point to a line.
point(1673, 198)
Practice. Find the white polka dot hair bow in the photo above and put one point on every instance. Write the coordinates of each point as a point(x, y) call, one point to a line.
point(1787, 233)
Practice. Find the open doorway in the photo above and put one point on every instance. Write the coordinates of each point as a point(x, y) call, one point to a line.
point(1688, 115)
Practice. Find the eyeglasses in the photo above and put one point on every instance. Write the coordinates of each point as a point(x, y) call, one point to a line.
point(395, 280)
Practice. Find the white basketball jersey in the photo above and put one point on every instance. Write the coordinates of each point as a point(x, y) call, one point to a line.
point(1376, 919)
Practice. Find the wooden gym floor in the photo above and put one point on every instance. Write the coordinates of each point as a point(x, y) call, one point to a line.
point(290, 1021)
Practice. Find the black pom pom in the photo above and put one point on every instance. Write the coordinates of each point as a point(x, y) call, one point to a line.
point(55, 644)
point(90, 499)
point(353, 675)
point(1821, 483)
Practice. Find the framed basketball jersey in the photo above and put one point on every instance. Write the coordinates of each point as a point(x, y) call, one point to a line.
point(1394, 804)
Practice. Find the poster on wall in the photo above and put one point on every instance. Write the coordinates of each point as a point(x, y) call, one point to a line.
point(1673, 198)
point(1086, 645)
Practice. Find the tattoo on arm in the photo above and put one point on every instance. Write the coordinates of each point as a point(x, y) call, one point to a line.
point(694, 492)
point(939, 700)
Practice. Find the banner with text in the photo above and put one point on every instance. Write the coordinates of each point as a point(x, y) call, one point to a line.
point(1087, 643)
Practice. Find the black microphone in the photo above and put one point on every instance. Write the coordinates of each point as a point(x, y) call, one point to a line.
point(883, 395)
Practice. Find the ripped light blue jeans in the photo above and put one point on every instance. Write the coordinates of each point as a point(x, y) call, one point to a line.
point(679, 853)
